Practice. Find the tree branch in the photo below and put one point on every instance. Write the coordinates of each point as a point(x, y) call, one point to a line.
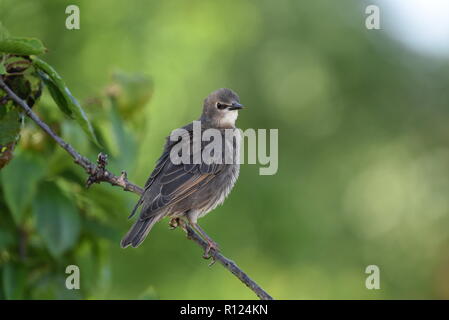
point(98, 173)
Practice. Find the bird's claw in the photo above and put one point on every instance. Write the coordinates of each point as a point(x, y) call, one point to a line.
point(212, 262)
point(174, 223)
point(210, 246)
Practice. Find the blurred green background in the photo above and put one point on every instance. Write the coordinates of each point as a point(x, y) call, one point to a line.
point(363, 156)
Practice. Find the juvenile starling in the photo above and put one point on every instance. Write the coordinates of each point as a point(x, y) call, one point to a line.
point(190, 190)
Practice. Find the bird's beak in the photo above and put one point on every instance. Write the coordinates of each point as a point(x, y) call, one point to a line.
point(235, 106)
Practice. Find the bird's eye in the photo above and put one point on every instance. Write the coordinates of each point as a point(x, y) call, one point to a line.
point(221, 106)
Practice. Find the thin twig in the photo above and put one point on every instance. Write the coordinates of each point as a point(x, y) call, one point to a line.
point(98, 173)
point(228, 264)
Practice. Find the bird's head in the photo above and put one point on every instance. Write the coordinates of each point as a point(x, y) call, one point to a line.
point(221, 108)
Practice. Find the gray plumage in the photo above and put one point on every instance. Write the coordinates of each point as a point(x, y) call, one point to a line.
point(191, 190)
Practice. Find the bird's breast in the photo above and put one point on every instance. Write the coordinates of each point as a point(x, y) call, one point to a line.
point(221, 187)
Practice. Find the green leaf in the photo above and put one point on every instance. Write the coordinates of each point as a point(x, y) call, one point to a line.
point(19, 181)
point(10, 124)
point(52, 286)
point(57, 219)
point(125, 143)
point(22, 46)
point(13, 278)
point(64, 98)
point(100, 230)
point(87, 260)
point(45, 288)
point(2, 69)
point(57, 96)
point(6, 239)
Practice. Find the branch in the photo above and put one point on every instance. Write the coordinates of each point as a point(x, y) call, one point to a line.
point(98, 173)
point(230, 265)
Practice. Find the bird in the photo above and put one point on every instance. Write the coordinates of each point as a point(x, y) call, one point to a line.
point(186, 192)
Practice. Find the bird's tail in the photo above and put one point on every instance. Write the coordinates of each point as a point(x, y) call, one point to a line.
point(138, 232)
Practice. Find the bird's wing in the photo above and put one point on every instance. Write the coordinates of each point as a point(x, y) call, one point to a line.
point(170, 183)
point(160, 164)
point(174, 187)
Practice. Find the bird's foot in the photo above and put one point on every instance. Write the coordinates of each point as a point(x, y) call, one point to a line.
point(210, 246)
point(174, 223)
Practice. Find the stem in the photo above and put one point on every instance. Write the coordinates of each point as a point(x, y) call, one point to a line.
point(98, 173)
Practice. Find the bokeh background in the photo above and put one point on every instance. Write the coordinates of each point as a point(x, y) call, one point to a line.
point(363, 149)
